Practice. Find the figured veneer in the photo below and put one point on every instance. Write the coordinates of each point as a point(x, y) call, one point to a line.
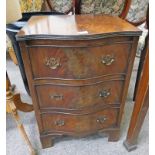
point(78, 63)
point(89, 122)
point(78, 69)
point(78, 97)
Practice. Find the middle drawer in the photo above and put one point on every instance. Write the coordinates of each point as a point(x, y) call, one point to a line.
point(77, 97)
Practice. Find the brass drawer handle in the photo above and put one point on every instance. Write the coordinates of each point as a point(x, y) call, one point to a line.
point(108, 60)
point(101, 119)
point(105, 93)
point(56, 96)
point(60, 123)
point(52, 62)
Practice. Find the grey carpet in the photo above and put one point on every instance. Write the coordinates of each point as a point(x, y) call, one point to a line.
point(92, 145)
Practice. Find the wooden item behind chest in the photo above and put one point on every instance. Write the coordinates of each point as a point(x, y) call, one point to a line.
point(78, 69)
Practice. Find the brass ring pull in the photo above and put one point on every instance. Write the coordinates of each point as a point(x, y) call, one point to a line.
point(104, 93)
point(108, 60)
point(52, 62)
point(56, 97)
point(101, 119)
point(60, 123)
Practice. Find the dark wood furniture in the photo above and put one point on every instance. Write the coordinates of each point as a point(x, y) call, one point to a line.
point(78, 70)
point(141, 98)
point(140, 107)
point(12, 29)
point(76, 9)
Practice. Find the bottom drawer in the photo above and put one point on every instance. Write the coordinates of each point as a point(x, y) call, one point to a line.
point(80, 123)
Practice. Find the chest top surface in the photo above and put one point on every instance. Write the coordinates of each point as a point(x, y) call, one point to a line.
point(79, 26)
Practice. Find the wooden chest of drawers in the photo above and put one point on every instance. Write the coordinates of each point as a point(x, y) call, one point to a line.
point(78, 69)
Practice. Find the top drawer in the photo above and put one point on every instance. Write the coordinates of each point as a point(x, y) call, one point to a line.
point(78, 63)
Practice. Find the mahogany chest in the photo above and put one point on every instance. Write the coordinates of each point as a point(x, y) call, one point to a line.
point(78, 70)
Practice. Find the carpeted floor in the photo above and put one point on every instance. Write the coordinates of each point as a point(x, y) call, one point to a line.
point(92, 145)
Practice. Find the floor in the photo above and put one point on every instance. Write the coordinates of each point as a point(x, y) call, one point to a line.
point(92, 145)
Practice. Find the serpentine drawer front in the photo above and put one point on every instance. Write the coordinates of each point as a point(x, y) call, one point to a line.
point(77, 97)
point(79, 123)
point(78, 69)
point(78, 63)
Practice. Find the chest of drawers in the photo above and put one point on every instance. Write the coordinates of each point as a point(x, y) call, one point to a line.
point(78, 70)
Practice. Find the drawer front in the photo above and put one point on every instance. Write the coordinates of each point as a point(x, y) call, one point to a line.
point(78, 63)
point(77, 97)
point(80, 123)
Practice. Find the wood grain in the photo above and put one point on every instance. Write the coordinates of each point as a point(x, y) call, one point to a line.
point(140, 108)
point(79, 123)
point(77, 26)
point(70, 97)
point(79, 63)
point(68, 73)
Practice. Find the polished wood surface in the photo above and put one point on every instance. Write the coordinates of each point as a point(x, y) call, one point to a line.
point(141, 97)
point(83, 25)
point(140, 107)
point(76, 9)
point(79, 124)
point(80, 62)
point(74, 97)
point(78, 80)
